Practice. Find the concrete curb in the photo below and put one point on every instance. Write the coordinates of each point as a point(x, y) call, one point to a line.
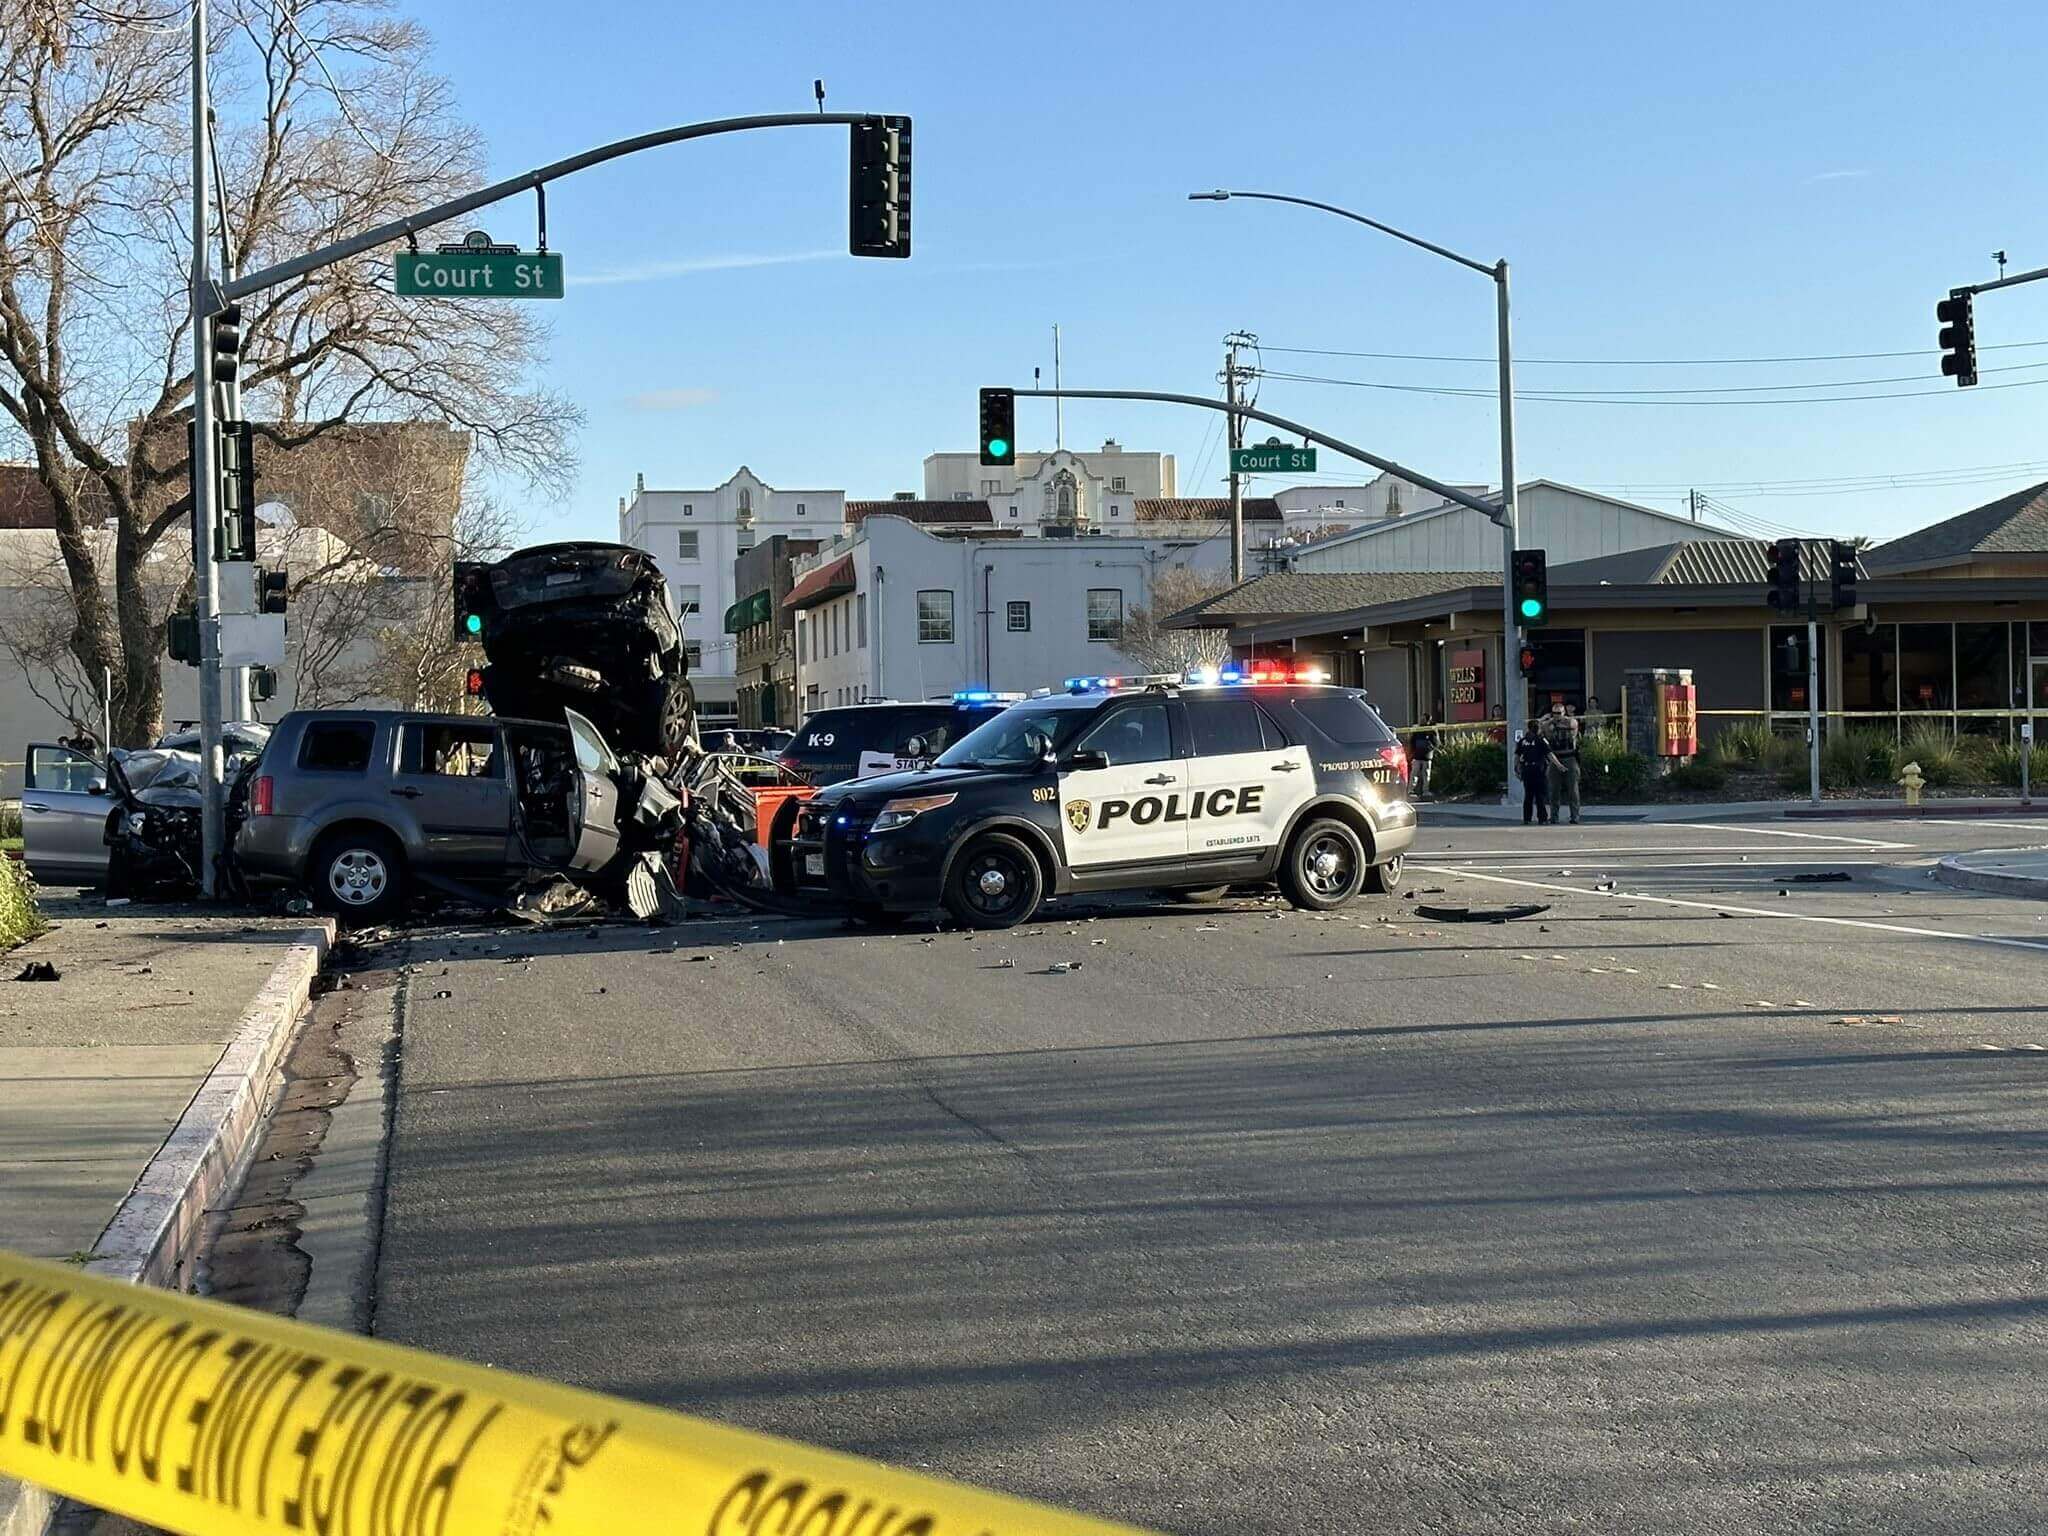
point(1955, 870)
point(154, 1235)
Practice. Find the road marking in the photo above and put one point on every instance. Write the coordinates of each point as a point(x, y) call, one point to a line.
point(1723, 906)
point(1817, 837)
point(1767, 851)
point(2038, 828)
point(1761, 868)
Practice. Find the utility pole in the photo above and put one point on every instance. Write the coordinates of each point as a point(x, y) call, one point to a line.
point(206, 585)
point(1059, 415)
point(1233, 394)
point(1812, 672)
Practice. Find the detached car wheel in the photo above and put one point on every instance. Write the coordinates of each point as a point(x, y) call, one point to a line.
point(1325, 866)
point(678, 718)
point(1385, 879)
point(358, 875)
point(996, 883)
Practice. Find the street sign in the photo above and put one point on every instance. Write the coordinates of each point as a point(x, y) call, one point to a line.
point(470, 274)
point(1273, 457)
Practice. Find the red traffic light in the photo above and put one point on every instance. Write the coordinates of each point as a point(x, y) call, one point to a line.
point(1528, 659)
point(473, 684)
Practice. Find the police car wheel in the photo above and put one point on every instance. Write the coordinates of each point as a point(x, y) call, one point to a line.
point(996, 883)
point(1385, 879)
point(1325, 866)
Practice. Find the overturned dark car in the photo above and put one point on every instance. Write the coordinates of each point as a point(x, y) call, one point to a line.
point(587, 627)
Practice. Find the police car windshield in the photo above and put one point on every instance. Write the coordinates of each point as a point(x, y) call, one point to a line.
point(1014, 738)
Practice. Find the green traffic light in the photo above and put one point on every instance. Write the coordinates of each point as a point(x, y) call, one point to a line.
point(999, 447)
point(1531, 608)
point(474, 623)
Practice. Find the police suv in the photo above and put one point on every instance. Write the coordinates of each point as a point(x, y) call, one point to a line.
point(1185, 783)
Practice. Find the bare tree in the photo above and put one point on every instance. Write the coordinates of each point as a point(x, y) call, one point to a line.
point(1154, 647)
point(95, 379)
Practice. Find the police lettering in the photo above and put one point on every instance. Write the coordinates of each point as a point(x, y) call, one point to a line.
point(1202, 805)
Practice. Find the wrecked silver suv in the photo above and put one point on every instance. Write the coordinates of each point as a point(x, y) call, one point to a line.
point(366, 809)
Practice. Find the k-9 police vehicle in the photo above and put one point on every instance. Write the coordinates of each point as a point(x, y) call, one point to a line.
point(1188, 784)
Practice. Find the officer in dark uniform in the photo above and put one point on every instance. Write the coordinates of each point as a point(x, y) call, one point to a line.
point(1533, 762)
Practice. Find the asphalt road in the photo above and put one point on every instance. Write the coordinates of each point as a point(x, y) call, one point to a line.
point(1686, 1206)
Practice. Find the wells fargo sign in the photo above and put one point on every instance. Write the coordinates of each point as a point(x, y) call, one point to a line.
point(1468, 685)
point(1678, 720)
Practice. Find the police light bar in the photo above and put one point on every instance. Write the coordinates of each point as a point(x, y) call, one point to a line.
point(984, 696)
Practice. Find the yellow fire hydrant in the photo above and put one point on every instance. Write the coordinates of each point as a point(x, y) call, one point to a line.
point(1910, 776)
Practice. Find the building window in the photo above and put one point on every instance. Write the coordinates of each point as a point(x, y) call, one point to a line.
point(746, 500)
point(689, 598)
point(689, 509)
point(1013, 511)
point(1063, 497)
point(1116, 483)
point(1115, 510)
point(1020, 618)
point(746, 540)
point(799, 509)
point(935, 618)
point(860, 609)
point(963, 495)
point(693, 654)
point(1105, 613)
point(991, 487)
point(1340, 501)
point(686, 542)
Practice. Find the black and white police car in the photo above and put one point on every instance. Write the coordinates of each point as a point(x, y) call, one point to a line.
point(862, 741)
point(1181, 783)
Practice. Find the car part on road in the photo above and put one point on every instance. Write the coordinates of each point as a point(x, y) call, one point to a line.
point(1823, 877)
point(1507, 914)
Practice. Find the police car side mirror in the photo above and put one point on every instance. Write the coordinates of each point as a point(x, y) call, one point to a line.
point(1087, 759)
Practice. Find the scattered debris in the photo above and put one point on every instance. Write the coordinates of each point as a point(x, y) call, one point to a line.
point(1432, 890)
point(117, 901)
point(39, 970)
point(1098, 941)
point(1505, 914)
point(1061, 967)
point(1004, 965)
point(1821, 877)
point(298, 906)
point(444, 992)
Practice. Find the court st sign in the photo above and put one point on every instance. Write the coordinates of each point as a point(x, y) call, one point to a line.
point(1273, 457)
point(477, 269)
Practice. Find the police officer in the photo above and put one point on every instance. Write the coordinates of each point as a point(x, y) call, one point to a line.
point(1533, 762)
point(1561, 734)
point(1422, 748)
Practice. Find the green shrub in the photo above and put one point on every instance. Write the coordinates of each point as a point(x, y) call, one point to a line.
point(2002, 765)
point(1608, 771)
point(1700, 774)
point(1746, 743)
point(1944, 757)
point(19, 918)
point(1856, 758)
point(1468, 763)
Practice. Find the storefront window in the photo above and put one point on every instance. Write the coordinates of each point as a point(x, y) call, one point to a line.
point(1926, 667)
point(1982, 680)
point(1869, 677)
point(1788, 668)
point(2040, 646)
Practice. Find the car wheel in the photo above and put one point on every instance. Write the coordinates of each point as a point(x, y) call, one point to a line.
point(1198, 896)
point(358, 875)
point(1325, 866)
point(996, 883)
point(1385, 879)
point(678, 718)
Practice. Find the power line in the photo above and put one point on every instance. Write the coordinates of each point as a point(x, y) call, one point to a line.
point(1641, 362)
point(1844, 486)
point(1556, 397)
point(1721, 389)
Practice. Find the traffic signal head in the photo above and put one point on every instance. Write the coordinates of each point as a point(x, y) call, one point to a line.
point(473, 682)
point(878, 197)
point(272, 590)
point(1842, 573)
point(998, 426)
point(1532, 586)
point(181, 636)
point(1528, 660)
point(1958, 336)
point(227, 343)
point(1785, 557)
point(262, 684)
point(472, 599)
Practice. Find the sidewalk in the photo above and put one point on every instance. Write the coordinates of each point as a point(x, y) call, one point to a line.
point(1484, 812)
point(2002, 871)
point(132, 1086)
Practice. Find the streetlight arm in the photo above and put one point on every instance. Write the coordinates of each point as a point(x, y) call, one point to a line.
point(1218, 196)
point(426, 218)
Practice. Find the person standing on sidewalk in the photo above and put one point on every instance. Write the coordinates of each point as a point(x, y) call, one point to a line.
point(1561, 735)
point(1533, 763)
point(1421, 748)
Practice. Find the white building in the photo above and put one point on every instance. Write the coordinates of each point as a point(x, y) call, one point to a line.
point(1095, 489)
point(1567, 523)
point(696, 536)
point(895, 610)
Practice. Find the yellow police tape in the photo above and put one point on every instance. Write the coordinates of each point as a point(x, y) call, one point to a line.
point(215, 1421)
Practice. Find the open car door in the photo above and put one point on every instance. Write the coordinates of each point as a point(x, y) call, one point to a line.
point(65, 802)
point(594, 798)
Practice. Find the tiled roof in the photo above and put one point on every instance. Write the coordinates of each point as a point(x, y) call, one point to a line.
point(1198, 509)
point(1310, 592)
point(828, 580)
point(1689, 563)
point(921, 511)
point(2012, 525)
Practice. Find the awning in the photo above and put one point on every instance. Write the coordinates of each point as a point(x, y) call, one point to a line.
point(833, 579)
point(749, 611)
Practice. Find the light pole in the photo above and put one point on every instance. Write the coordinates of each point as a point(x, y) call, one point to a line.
point(1515, 694)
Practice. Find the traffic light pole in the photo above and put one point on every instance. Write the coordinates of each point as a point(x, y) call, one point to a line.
point(1812, 680)
point(205, 491)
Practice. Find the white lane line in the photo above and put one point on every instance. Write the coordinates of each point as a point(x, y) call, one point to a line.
point(2038, 828)
point(1723, 906)
point(1563, 855)
point(1762, 868)
point(1816, 837)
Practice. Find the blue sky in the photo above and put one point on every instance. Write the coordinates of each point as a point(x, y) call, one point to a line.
point(1706, 182)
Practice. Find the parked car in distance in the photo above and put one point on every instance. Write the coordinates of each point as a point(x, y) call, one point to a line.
point(361, 808)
